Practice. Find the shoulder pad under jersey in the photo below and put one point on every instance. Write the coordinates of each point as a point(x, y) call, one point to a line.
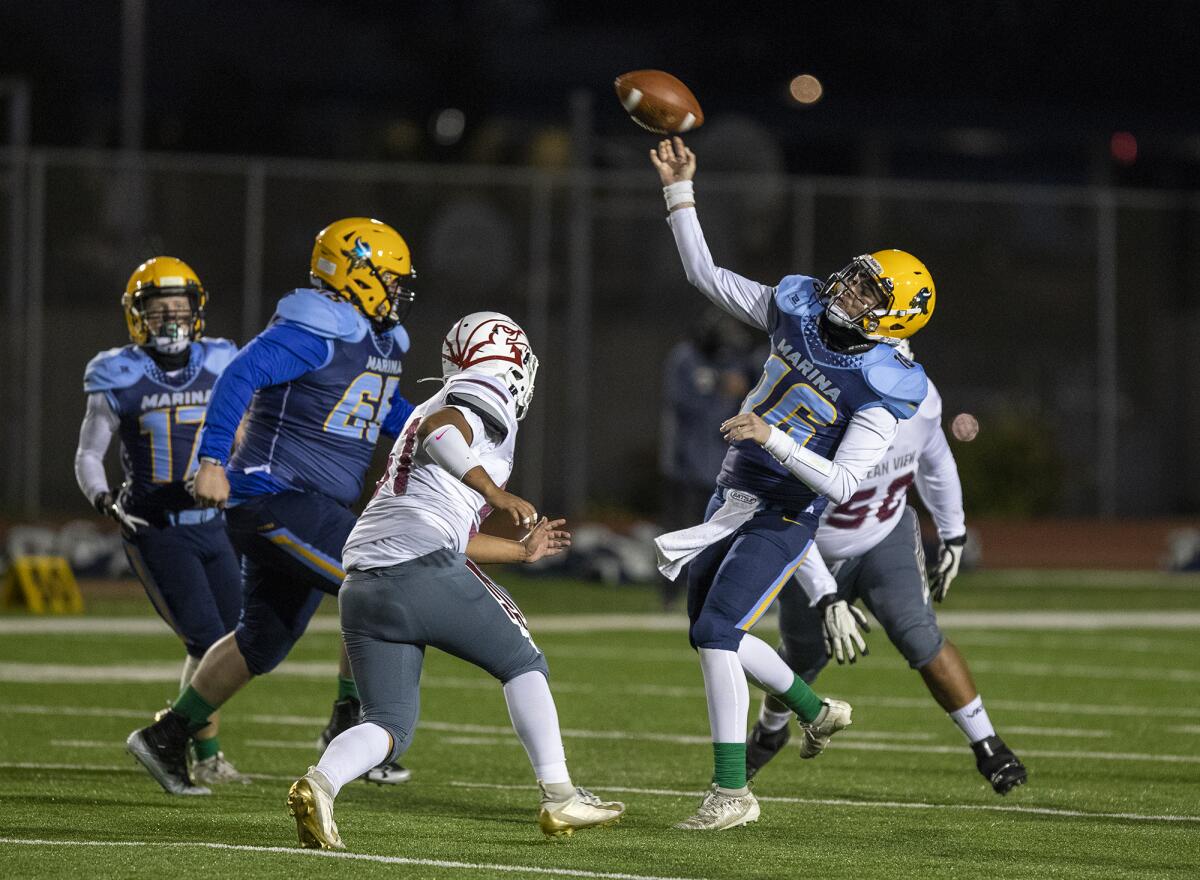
point(322, 314)
point(113, 369)
point(400, 335)
point(931, 406)
point(487, 396)
point(218, 353)
point(899, 382)
point(797, 294)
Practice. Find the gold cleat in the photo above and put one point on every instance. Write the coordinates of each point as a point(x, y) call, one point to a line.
point(582, 810)
point(312, 809)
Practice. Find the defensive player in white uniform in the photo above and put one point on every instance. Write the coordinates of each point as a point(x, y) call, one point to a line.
point(409, 584)
point(872, 543)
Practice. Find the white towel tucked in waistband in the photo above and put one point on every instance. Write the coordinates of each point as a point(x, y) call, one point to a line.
point(676, 549)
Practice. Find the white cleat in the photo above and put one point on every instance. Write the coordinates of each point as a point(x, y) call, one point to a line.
point(835, 716)
point(388, 774)
point(719, 811)
point(581, 810)
point(218, 770)
point(312, 808)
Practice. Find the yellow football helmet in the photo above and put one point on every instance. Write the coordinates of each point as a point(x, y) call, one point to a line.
point(164, 276)
point(366, 262)
point(885, 296)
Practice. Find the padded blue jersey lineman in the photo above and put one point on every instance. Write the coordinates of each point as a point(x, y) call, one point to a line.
point(318, 386)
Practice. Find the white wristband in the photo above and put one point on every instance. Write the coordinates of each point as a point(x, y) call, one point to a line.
point(448, 448)
point(679, 193)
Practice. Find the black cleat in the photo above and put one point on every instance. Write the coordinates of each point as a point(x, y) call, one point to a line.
point(763, 745)
point(999, 765)
point(347, 712)
point(162, 749)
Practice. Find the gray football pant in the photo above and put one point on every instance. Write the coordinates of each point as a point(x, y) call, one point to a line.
point(389, 615)
point(890, 580)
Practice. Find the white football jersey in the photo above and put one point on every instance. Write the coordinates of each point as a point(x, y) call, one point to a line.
point(418, 506)
point(919, 455)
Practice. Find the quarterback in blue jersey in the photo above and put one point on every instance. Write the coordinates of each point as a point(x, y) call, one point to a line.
point(152, 393)
point(824, 412)
point(316, 388)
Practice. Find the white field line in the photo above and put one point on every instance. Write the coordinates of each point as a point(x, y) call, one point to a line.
point(845, 742)
point(662, 792)
point(906, 805)
point(877, 702)
point(347, 856)
point(168, 670)
point(1184, 728)
point(1058, 621)
point(1066, 732)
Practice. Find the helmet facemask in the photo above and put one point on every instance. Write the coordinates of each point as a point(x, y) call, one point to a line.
point(856, 298)
point(170, 318)
point(399, 299)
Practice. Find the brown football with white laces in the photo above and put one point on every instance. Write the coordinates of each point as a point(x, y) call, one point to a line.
point(658, 102)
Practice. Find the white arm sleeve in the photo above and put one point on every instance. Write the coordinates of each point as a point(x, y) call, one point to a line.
point(99, 425)
point(814, 576)
point(939, 486)
point(746, 300)
point(868, 436)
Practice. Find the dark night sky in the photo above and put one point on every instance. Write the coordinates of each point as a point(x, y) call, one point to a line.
point(322, 79)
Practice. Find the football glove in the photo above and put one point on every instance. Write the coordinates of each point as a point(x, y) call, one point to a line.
point(841, 623)
point(943, 572)
point(110, 506)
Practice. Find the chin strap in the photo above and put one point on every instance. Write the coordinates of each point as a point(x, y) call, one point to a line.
point(843, 339)
point(169, 361)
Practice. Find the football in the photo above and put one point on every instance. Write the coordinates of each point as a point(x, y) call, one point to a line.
point(658, 102)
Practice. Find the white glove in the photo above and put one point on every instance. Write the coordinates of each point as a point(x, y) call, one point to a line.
point(841, 622)
point(943, 572)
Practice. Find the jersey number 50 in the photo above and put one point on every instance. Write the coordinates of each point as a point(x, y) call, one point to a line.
point(363, 407)
point(800, 410)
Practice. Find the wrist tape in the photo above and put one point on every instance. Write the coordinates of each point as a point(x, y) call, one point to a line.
point(448, 448)
point(679, 193)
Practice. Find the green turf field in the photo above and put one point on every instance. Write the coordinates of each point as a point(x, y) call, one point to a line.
point(1107, 720)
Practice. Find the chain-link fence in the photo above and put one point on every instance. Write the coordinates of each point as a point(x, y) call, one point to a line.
point(1063, 319)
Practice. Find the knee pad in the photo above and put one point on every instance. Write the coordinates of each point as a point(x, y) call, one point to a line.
point(401, 738)
point(263, 647)
point(532, 664)
point(711, 631)
point(919, 644)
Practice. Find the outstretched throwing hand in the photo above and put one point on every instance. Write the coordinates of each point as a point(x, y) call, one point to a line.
point(673, 160)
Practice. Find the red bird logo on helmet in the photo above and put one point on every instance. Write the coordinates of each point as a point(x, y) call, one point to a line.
point(490, 341)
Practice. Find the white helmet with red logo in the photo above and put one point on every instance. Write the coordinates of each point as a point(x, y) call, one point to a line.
point(496, 345)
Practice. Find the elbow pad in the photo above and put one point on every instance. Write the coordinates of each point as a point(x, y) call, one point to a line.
point(448, 448)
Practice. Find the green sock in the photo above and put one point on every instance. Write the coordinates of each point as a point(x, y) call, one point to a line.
point(347, 688)
point(802, 700)
point(206, 748)
point(729, 765)
point(194, 708)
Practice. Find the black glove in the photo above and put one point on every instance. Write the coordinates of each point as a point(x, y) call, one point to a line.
point(110, 506)
point(943, 572)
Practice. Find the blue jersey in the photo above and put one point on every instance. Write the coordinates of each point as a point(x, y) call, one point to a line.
point(160, 417)
point(811, 391)
point(324, 385)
